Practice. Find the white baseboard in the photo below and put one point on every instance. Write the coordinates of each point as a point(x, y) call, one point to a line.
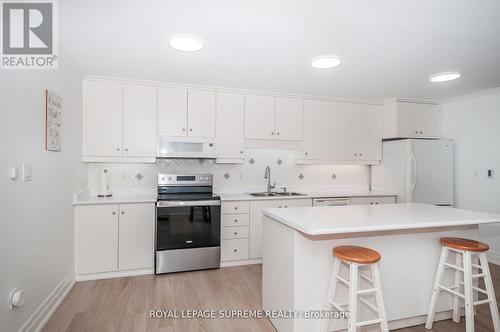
point(241, 262)
point(42, 314)
point(494, 257)
point(114, 274)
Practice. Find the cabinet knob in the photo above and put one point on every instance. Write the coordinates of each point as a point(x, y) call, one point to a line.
point(355, 155)
point(241, 151)
point(286, 206)
point(277, 133)
point(190, 129)
point(183, 129)
point(421, 132)
point(236, 208)
point(235, 250)
point(272, 132)
point(307, 153)
point(235, 233)
point(416, 131)
point(126, 149)
point(123, 212)
point(117, 149)
point(114, 212)
point(360, 154)
point(235, 220)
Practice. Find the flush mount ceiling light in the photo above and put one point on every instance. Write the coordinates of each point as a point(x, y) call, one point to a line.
point(444, 77)
point(186, 43)
point(325, 62)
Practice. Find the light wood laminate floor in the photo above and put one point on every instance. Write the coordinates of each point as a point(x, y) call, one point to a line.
point(123, 304)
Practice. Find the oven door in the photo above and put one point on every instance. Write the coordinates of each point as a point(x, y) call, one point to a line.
point(187, 224)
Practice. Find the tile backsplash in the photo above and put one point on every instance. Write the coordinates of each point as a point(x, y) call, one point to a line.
point(284, 172)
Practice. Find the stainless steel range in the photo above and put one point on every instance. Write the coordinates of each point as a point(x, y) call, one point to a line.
point(187, 224)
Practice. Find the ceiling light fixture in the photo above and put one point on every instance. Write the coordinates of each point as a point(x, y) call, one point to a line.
point(186, 43)
point(325, 62)
point(444, 77)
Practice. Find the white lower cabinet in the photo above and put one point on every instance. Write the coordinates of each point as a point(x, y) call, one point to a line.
point(234, 250)
point(372, 200)
point(234, 231)
point(256, 216)
point(114, 237)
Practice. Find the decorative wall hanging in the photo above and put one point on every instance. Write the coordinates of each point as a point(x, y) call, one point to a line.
point(53, 121)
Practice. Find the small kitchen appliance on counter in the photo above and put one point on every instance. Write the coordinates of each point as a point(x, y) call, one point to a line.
point(188, 217)
point(104, 184)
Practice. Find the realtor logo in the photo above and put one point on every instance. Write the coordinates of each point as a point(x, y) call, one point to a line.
point(28, 35)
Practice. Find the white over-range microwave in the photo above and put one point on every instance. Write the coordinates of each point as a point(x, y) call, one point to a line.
point(185, 147)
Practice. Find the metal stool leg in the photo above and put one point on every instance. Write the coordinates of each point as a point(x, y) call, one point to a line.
point(468, 292)
point(490, 290)
point(436, 289)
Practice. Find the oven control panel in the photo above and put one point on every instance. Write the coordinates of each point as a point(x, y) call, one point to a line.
point(185, 179)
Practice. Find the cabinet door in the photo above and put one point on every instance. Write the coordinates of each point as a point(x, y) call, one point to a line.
point(407, 120)
point(289, 119)
point(317, 130)
point(344, 145)
point(428, 121)
point(97, 236)
point(136, 236)
point(139, 121)
point(201, 113)
point(230, 137)
point(368, 132)
point(102, 118)
point(256, 217)
point(172, 111)
point(259, 117)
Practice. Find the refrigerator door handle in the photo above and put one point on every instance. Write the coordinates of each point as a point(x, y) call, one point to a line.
point(413, 172)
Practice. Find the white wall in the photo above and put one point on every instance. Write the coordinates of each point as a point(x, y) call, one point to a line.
point(36, 218)
point(238, 177)
point(474, 123)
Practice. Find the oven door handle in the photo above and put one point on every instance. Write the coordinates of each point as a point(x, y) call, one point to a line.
point(187, 203)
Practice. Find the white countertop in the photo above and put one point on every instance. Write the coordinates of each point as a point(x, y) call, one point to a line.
point(85, 198)
point(306, 194)
point(323, 220)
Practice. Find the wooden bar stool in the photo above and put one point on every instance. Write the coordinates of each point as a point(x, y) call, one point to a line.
point(464, 249)
point(357, 258)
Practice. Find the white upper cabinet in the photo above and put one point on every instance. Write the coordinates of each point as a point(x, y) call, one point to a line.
point(402, 119)
point(139, 121)
point(259, 117)
point(317, 130)
point(356, 132)
point(289, 119)
point(172, 111)
point(201, 113)
point(230, 139)
point(102, 119)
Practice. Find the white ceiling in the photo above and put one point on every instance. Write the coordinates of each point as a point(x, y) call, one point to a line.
point(388, 47)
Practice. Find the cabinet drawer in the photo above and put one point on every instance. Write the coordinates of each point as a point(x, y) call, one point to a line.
point(235, 207)
point(234, 220)
point(228, 233)
point(232, 250)
point(372, 200)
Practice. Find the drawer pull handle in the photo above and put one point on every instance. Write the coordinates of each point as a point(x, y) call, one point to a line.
point(236, 208)
point(235, 233)
point(113, 212)
point(235, 220)
point(235, 250)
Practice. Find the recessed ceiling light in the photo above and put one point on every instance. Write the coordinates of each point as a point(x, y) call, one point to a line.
point(325, 62)
point(444, 77)
point(186, 43)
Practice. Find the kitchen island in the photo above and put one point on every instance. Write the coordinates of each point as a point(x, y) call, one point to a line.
point(297, 257)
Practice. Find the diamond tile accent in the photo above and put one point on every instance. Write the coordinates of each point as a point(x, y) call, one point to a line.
point(279, 162)
point(227, 176)
point(301, 176)
point(139, 176)
point(251, 161)
point(334, 176)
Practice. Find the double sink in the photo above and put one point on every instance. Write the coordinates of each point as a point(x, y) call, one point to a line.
point(276, 194)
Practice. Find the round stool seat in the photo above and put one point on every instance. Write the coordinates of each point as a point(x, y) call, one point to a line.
point(356, 254)
point(463, 244)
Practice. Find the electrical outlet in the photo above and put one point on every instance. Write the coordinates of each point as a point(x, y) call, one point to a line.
point(27, 172)
point(490, 174)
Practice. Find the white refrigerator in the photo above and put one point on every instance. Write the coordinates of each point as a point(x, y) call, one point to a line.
point(417, 170)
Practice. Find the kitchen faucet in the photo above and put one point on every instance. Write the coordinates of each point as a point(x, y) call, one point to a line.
point(267, 175)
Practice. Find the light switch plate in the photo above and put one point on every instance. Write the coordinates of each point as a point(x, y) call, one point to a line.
point(27, 172)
